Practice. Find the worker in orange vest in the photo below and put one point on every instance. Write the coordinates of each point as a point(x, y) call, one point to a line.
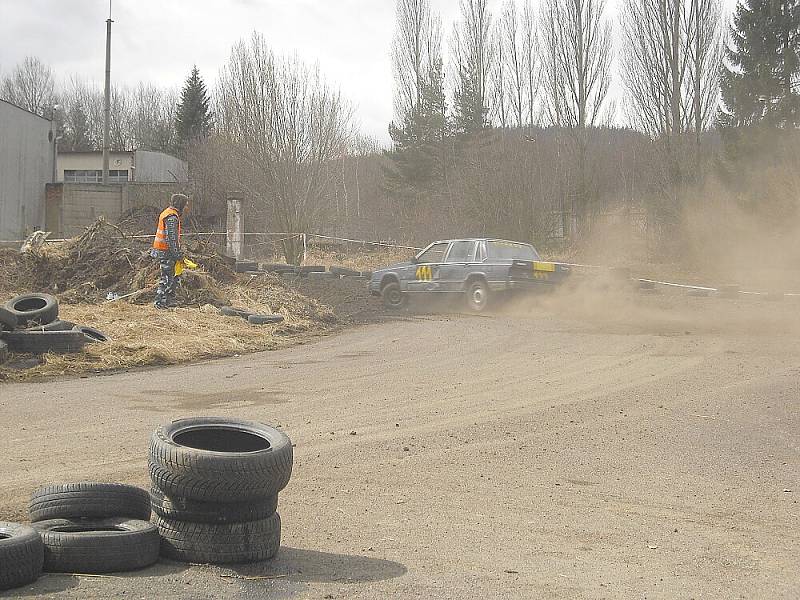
point(167, 249)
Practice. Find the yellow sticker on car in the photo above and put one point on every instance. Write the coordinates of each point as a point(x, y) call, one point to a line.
point(547, 267)
point(424, 273)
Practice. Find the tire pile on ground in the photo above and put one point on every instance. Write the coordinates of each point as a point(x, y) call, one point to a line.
point(79, 528)
point(215, 485)
point(29, 323)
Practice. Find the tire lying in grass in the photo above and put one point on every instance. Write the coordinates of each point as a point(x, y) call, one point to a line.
point(344, 272)
point(21, 555)
point(33, 309)
point(243, 266)
point(311, 269)
point(89, 500)
point(279, 268)
point(8, 320)
point(219, 460)
point(57, 325)
point(98, 545)
point(92, 335)
point(41, 342)
point(218, 543)
point(194, 511)
point(264, 319)
point(230, 311)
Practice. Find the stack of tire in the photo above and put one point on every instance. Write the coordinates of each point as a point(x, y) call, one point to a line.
point(215, 485)
point(29, 323)
point(79, 528)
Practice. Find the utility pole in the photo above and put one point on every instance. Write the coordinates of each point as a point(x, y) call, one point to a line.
point(107, 104)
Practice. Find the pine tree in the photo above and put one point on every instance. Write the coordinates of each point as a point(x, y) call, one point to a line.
point(417, 156)
point(761, 84)
point(194, 116)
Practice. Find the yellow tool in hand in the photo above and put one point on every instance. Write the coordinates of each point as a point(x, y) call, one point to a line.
point(182, 264)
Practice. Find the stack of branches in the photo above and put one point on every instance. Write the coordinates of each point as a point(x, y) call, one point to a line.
point(105, 260)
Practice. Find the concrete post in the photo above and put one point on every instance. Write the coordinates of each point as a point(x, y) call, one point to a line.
point(235, 225)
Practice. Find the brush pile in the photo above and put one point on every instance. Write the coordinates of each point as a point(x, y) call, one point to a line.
point(105, 260)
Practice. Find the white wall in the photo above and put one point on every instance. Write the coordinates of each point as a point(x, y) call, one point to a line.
point(26, 165)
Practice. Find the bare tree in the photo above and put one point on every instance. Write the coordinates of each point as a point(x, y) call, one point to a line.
point(530, 48)
point(472, 59)
point(517, 56)
point(671, 52)
point(577, 60)
point(286, 129)
point(30, 85)
point(416, 49)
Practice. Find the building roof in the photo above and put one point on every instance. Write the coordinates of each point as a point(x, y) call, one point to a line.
point(25, 110)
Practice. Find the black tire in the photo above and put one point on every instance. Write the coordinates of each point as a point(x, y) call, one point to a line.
point(393, 297)
point(264, 319)
point(344, 272)
point(92, 335)
point(477, 295)
point(230, 311)
point(98, 545)
point(3, 352)
point(220, 543)
point(33, 309)
point(279, 268)
point(8, 320)
point(57, 325)
point(40, 342)
point(89, 500)
point(220, 460)
point(194, 511)
point(21, 555)
point(311, 269)
point(243, 266)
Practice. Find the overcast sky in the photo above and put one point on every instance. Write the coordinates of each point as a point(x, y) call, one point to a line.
point(159, 40)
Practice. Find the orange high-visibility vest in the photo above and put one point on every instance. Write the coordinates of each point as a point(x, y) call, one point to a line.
point(161, 243)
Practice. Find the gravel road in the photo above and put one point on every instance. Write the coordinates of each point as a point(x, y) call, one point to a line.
point(638, 449)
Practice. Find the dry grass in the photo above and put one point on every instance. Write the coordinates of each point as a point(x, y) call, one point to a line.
point(360, 258)
point(143, 336)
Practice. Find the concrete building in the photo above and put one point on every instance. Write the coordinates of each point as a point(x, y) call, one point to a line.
point(141, 166)
point(26, 165)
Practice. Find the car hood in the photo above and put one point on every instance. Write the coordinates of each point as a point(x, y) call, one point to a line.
point(394, 267)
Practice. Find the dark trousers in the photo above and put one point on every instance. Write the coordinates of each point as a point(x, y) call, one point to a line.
point(167, 283)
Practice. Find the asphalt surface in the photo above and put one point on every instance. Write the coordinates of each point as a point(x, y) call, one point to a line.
point(637, 449)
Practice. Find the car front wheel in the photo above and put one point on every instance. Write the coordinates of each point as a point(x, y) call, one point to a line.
point(393, 296)
point(477, 295)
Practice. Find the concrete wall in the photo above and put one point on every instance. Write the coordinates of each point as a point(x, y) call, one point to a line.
point(153, 167)
point(26, 165)
point(71, 207)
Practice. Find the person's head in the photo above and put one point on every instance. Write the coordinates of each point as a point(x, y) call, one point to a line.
point(180, 202)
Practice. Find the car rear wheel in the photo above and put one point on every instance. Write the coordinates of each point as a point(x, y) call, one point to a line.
point(393, 296)
point(477, 295)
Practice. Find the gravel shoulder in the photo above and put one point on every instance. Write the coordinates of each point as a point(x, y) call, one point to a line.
point(597, 448)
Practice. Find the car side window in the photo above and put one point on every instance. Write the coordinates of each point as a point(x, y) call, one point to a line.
point(434, 254)
point(461, 252)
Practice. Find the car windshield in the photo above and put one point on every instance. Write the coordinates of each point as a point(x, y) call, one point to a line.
point(434, 254)
point(501, 250)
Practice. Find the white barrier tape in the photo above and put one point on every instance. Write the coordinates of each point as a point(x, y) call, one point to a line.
point(680, 285)
point(385, 244)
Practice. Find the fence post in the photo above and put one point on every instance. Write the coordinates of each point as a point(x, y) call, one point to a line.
point(234, 230)
point(305, 248)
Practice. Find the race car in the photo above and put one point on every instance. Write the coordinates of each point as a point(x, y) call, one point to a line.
point(477, 268)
